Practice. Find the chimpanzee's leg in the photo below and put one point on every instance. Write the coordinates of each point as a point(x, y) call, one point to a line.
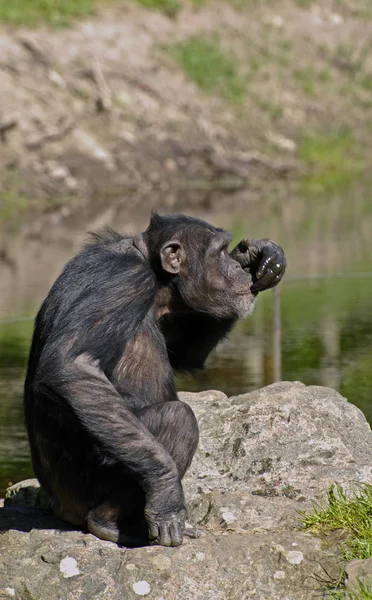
point(175, 426)
point(121, 518)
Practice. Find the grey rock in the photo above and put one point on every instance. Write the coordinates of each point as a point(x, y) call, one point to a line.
point(270, 453)
point(358, 572)
point(26, 493)
point(216, 566)
point(263, 457)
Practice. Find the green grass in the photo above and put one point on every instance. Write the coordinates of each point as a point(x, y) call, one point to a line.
point(306, 80)
point(13, 206)
point(170, 7)
point(364, 593)
point(311, 80)
point(349, 517)
point(274, 110)
point(366, 82)
point(212, 69)
point(333, 161)
point(61, 13)
point(53, 12)
point(349, 514)
point(304, 3)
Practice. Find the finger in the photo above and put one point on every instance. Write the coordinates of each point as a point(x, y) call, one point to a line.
point(153, 531)
point(271, 277)
point(176, 533)
point(266, 282)
point(273, 262)
point(164, 535)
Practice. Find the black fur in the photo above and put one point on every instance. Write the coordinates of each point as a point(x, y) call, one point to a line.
point(110, 441)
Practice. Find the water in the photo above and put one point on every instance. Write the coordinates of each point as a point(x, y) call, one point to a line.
point(14, 451)
point(327, 340)
point(326, 322)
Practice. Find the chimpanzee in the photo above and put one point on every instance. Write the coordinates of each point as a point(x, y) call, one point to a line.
point(110, 440)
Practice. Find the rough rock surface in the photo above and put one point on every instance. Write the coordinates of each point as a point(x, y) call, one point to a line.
point(359, 572)
point(286, 442)
point(262, 457)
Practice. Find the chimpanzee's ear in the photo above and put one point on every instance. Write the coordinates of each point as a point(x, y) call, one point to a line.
point(171, 256)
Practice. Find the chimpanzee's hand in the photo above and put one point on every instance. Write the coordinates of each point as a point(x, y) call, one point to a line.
point(165, 513)
point(166, 530)
point(264, 260)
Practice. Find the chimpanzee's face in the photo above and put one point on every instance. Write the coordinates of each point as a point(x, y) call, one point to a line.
point(209, 280)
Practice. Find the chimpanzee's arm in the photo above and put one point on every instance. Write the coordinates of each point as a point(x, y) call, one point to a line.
point(91, 313)
point(191, 338)
point(124, 440)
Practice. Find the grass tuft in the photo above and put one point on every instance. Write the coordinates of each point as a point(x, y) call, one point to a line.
point(61, 13)
point(13, 206)
point(54, 12)
point(169, 7)
point(363, 593)
point(215, 72)
point(333, 161)
point(351, 515)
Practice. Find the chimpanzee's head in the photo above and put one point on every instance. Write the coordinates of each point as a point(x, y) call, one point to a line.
point(192, 256)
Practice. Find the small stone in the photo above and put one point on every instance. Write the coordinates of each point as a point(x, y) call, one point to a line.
point(294, 557)
point(56, 78)
point(59, 173)
point(279, 575)
point(124, 99)
point(282, 142)
point(200, 556)
point(68, 567)
point(10, 591)
point(171, 165)
point(128, 136)
point(141, 588)
point(336, 19)
point(228, 517)
point(161, 562)
point(71, 183)
point(130, 566)
point(277, 20)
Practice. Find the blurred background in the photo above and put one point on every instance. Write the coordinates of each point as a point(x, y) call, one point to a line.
point(254, 115)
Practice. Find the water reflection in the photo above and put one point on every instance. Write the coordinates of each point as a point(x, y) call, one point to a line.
point(326, 340)
point(15, 461)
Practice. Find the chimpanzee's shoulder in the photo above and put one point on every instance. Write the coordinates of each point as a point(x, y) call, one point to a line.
point(105, 237)
point(108, 252)
point(102, 274)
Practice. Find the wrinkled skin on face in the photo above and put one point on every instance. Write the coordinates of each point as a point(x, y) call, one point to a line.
point(223, 284)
